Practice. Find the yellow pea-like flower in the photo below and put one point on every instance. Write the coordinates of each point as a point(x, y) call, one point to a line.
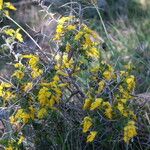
point(129, 131)
point(87, 123)
point(1, 4)
point(42, 113)
point(22, 138)
point(28, 86)
point(10, 6)
point(107, 74)
point(96, 104)
point(87, 104)
point(18, 74)
point(91, 136)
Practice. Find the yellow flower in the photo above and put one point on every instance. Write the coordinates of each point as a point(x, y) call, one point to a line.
point(79, 35)
point(101, 85)
point(6, 85)
point(32, 112)
point(108, 109)
point(108, 112)
point(87, 104)
point(33, 61)
point(15, 34)
point(106, 104)
point(51, 102)
point(22, 138)
point(25, 117)
point(96, 104)
point(107, 75)
point(129, 131)
point(9, 148)
point(71, 27)
point(65, 19)
point(68, 47)
point(12, 119)
point(60, 29)
point(1, 91)
point(1, 4)
point(93, 52)
point(87, 123)
point(19, 65)
point(9, 32)
point(132, 115)
point(28, 56)
point(10, 6)
point(91, 136)
point(36, 73)
point(18, 36)
point(131, 82)
point(120, 107)
point(123, 100)
point(42, 113)
point(18, 74)
point(88, 41)
point(86, 29)
point(8, 95)
point(28, 87)
point(43, 96)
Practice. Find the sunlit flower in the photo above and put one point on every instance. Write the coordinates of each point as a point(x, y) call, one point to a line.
point(1, 4)
point(87, 123)
point(42, 113)
point(91, 136)
point(21, 139)
point(18, 74)
point(87, 104)
point(96, 103)
point(129, 131)
point(28, 87)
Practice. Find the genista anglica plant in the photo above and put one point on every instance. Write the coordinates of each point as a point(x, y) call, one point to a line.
point(76, 73)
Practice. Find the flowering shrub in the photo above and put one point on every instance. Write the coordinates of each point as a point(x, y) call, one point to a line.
point(75, 72)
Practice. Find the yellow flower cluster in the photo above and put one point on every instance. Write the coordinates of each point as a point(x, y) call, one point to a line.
point(14, 34)
point(85, 35)
point(1, 4)
point(50, 93)
point(109, 73)
point(5, 92)
point(9, 148)
point(43, 96)
point(23, 116)
point(6, 5)
point(129, 131)
point(33, 63)
point(63, 62)
point(28, 87)
point(90, 47)
point(96, 104)
point(18, 74)
point(87, 124)
point(91, 136)
point(21, 139)
point(114, 87)
point(42, 113)
point(108, 110)
point(113, 103)
point(130, 82)
point(63, 27)
point(107, 91)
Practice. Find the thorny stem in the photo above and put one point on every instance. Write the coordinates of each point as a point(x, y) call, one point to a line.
point(11, 19)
